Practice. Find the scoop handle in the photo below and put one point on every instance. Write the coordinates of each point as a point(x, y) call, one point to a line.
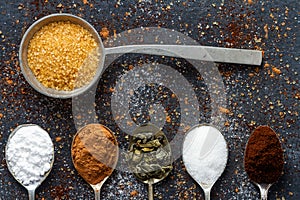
point(150, 191)
point(264, 188)
point(97, 194)
point(196, 52)
point(97, 188)
point(207, 193)
point(31, 194)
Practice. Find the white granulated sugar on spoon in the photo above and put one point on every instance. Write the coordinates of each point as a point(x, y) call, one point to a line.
point(205, 155)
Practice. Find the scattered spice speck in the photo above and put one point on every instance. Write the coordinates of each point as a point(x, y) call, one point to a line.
point(134, 193)
point(58, 139)
point(266, 31)
point(224, 110)
point(60, 5)
point(276, 70)
point(104, 32)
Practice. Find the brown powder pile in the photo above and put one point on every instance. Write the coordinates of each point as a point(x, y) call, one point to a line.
point(264, 156)
point(94, 153)
point(63, 55)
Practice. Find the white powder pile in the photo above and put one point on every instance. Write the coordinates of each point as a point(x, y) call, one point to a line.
point(29, 154)
point(205, 154)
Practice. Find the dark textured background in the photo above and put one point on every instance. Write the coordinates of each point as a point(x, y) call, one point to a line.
point(265, 95)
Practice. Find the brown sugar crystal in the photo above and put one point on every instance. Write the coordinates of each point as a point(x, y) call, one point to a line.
point(63, 55)
point(94, 153)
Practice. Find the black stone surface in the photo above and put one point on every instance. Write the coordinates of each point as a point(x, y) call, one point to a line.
point(264, 95)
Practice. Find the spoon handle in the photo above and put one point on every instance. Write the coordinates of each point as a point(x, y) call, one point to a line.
point(31, 194)
point(97, 188)
point(264, 188)
point(97, 194)
point(150, 191)
point(205, 53)
point(207, 193)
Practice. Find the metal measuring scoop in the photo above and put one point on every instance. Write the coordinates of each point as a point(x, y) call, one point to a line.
point(196, 52)
point(267, 176)
point(205, 155)
point(95, 154)
point(43, 170)
point(149, 156)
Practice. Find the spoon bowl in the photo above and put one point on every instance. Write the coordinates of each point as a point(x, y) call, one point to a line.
point(43, 170)
point(95, 154)
point(263, 159)
point(205, 155)
point(149, 156)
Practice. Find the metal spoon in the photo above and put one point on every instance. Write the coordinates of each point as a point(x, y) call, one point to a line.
point(89, 142)
point(31, 187)
point(205, 155)
point(149, 156)
point(265, 181)
point(196, 52)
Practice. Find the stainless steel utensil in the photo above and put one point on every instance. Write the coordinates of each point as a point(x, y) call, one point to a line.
point(30, 187)
point(263, 147)
point(205, 155)
point(149, 156)
point(93, 149)
point(206, 53)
